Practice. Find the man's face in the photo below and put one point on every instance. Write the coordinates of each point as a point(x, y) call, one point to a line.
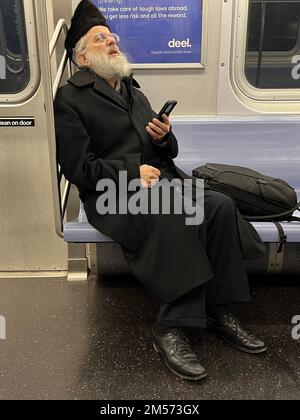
point(102, 55)
point(94, 44)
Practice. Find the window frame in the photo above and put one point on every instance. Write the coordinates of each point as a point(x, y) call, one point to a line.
point(241, 20)
point(34, 68)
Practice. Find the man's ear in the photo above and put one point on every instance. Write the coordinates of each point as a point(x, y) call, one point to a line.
point(82, 60)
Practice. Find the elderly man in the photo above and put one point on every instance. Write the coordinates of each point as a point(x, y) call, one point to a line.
point(105, 126)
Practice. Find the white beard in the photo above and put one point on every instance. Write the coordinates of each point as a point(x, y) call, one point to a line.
point(109, 66)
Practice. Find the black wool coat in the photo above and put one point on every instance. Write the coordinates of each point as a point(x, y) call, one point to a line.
point(100, 133)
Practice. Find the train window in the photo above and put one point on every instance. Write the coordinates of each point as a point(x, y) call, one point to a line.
point(15, 74)
point(273, 44)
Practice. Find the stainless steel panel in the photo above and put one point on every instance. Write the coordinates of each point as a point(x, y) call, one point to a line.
point(28, 242)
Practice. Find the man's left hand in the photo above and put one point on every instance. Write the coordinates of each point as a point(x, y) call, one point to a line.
point(158, 130)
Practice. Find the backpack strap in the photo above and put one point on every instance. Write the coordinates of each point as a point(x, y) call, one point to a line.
point(294, 219)
point(275, 216)
point(282, 236)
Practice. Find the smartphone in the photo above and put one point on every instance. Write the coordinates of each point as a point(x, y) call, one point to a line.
point(167, 109)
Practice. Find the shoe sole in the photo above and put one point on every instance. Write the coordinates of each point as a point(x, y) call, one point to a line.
point(188, 378)
point(242, 349)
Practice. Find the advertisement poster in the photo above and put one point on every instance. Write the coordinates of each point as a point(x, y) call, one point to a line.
point(157, 32)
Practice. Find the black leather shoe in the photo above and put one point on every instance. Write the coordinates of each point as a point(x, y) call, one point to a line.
point(229, 329)
point(177, 353)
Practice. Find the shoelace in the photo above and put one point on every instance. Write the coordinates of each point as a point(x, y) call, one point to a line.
point(242, 331)
point(232, 320)
point(182, 344)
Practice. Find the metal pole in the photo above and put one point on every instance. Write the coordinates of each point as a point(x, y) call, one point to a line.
point(261, 42)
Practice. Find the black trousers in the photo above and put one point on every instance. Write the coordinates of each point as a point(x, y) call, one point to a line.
point(230, 283)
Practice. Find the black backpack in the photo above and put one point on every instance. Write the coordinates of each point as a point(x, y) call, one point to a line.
point(258, 197)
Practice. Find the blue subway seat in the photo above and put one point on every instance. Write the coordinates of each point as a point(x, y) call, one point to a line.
point(83, 232)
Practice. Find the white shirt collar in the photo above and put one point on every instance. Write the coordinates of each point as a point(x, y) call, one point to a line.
point(118, 86)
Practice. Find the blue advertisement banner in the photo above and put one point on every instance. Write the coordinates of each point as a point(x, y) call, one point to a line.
point(157, 31)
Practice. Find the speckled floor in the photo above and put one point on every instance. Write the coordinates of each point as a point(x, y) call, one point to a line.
point(92, 341)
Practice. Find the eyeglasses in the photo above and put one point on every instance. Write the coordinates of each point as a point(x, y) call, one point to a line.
point(103, 37)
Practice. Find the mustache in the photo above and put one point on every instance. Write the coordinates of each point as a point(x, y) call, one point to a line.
point(113, 50)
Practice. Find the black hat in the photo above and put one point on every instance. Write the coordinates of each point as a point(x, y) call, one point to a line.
point(86, 16)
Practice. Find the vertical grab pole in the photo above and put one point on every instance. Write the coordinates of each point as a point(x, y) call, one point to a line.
point(261, 42)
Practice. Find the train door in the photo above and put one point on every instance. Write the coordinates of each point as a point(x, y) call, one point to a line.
point(29, 245)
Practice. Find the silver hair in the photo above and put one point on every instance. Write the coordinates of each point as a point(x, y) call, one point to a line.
point(80, 47)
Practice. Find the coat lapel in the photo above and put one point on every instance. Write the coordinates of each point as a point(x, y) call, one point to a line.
point(87, 78)
point(106, 90)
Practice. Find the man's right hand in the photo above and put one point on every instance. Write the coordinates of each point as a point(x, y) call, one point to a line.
point(149, 176)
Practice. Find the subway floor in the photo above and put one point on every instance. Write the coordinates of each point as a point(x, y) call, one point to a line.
point(92, 341)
